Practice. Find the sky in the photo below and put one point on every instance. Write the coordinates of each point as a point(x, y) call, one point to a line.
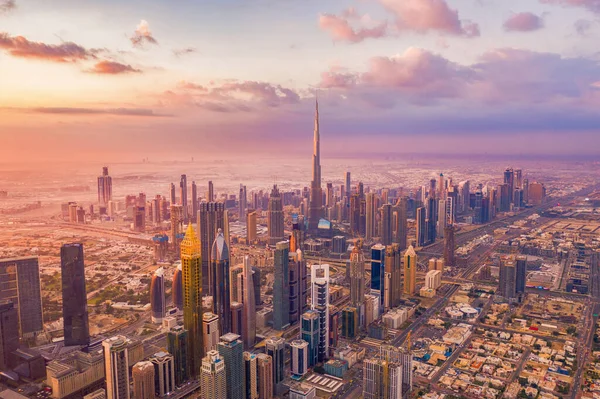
point(90, 80)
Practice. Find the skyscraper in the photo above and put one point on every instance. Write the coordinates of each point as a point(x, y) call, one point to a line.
point(265, 376)
point(402, 357)
point(213, 378)
point(275, 347)
point(183, 197)
point(350, 326)
point(310, 332)
point(191, 262)
point(449, 258)
point(386, 224)
point(421, 230)
point(237, 318)
point(382, 379)
point(378, 272)
point(357, 278)
point(177, 288)
point(393, 276)
point(22, 278)
point(275, 217)
point(399, 223)
point(172, 195)
point(432, 217)
point(320, 303)
point(177, 344)
point(508, 277)
point(242, 202)
point(249, 330)
point(348, 185)
point(315, 212)
point(281, 287)
point(104, 187)
point(164, 373)
point(116, 366)
point(442, 218)
point(75, 311)
point(231, 350)
point(251, 368)
point(509, 180)
point(9, 333)
point(176, 226)
point(210, 331)
point(220, 283)
point(211, 217)
point(370, 216)
point(410, 271)
point(297, 301)
point(251, 227)
point(521, 274)
point(299, 357)
point(210, 195)
point(143, 380)
point(194, 200)
point(157, 296)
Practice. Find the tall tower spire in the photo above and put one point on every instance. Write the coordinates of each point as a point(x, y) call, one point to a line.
point(315, 211)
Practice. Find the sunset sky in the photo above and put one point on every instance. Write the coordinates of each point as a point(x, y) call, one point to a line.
point(112, 79)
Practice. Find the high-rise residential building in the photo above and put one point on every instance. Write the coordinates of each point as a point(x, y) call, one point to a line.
point(315, 211)
point(172, 195)
point(265, 376)
point(142, 374)
point(191, 263)
point(281, 287)
point(164, 373)
point(299, 357)
point(210, 331)
point(237, 317)
point(320, 303)
point(508, 277)
point(329, 196)
point(348, 185)
point(176, 226)
point(381, 379)
point(157, 296)
point(242, 204)
point(393, 276)
point(436, 264)
point(178, 346)
point(251, 369)
point(275, 219)
point(433, 279)
point(210, 194)
point(20, 279)
point(220, 283)
point(378, 272)
point(509, 180)
point(441, 187)
point(371, 212)
point(410, 271)
point(183, 197)
point(256, 276)
point(9, 333)
point(371, 309)
point(350, 322)
point(449, 257)
point(297, 277)
point(213, 377)
point(432, 218)
point(74, 295)
point(521, 274)
point(357, 278)
point(275, 347)
point(386, 224)
point(248, 299)
point(442, 218)
point(211, 217)
point(251, 227)
point(402, 357)
point(177, 288)
point(310, 332)
point(421, 227)
point(104, 187)
point(231, 350)
point(116, 365)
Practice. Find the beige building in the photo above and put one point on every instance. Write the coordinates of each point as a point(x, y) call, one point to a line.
point(433, 279)
point(265, 376)
point(213, 382)
point(251, 227)
point(143, 380)
point(410, 271)
point(210, 330)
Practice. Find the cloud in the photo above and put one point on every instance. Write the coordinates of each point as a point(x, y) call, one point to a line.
point(7, 5)
point(591, 5)
point(184, 51)
point(91, 111)
point(583, 27)
point(523, 22)
point(191, 86)
point(112, 68)
point(423, 16)
point(340, 28)
point(19, 46)
point(142, 35)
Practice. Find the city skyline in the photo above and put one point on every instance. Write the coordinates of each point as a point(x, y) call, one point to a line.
point(434, 71)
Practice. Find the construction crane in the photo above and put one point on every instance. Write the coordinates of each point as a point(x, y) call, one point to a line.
point(407, 344)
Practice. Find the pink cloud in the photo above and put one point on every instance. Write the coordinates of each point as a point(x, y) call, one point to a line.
point(112, 68)
point(340, 29)
point(142, 35)
point(334, 79)
point(423, 16)
point(7, 6)
point(592, 5)
point(523, 22)
point(19, 46)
